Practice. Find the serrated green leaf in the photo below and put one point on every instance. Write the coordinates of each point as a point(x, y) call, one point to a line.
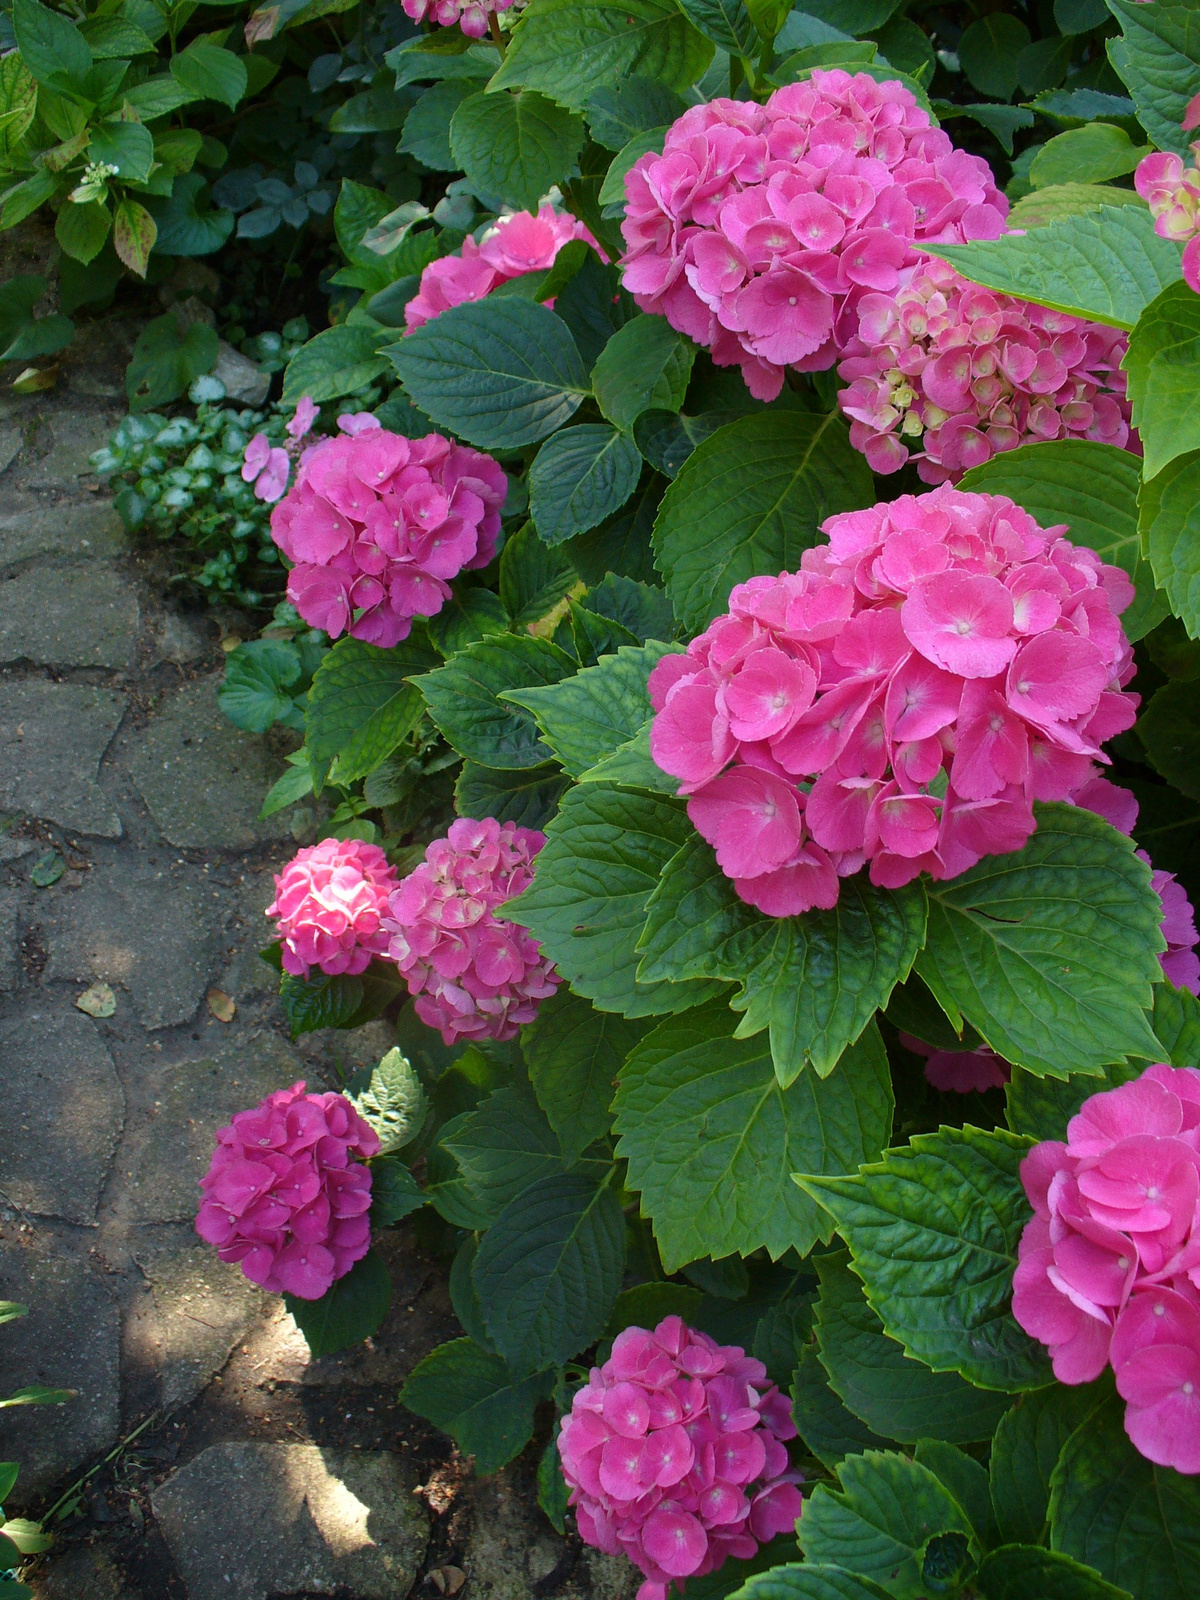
point(362, 704)
point(1106, 265)
point(1041, 1107)
point(552, 1491)
point(503, 1146)
point(1091, 154)
point(463, 698)
point(468, 616)
point(878, 1526)
point(350, 1311)
point(1026, 1449)
point(393, 1102)
point(933, 1230)
point(1063, 200)
point(826, 1426)
point(1051, 952)
point(586, 906)
point(750, 500)
point(633, 767)
point(966, 1480)
point(515, 146)
point(811, 1581)
point(534, 576)
point(594, 637)
point(1169, 523)
point(470, 1394)
point(394, 1192)
point(573, 1054)
point(258, 675)
point(581, 477)
point(897, 1397)
point(712, 1138)
point(645, 365)
point(1163, 363)
point(617, 114)
point(814, 981)
point(1018, 1572)
point(528, 796)
point(343, 1000)
point(1158, 57)
point(548, 1270)
point(337, 361)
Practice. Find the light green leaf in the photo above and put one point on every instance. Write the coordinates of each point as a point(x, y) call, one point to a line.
point(751, 500)
point(573, 1054)
point(612, 190)
point(1051, 952)
point(1158, 58)
point(392, 1101)
point(125, 145)
point(1062, 200)
point(1169, 521)
point(210, 72)
point(500, 372)
point(350, 1311)
point(258, 674)
point(633, 767)
point(362, 704)
point(1091, 487)
point(515, 146)
point(1092, 154)
point(1107, 265)
point(814, 981)
point(82, 231)
point(933, 1230)
point(581, 477)
point(1163, 364)
point(471, 1395)
point(337, 361)
point(570, 48)
point(463, 698)
point(645, 365)
point(712, 1138)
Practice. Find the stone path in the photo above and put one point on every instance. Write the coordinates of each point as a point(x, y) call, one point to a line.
point(258, 1472)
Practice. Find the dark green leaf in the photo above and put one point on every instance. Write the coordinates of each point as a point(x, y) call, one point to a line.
point(552, 1491)
point(362, 706)
point(503, 1146)
point(573, 1054)
point(593, 713)
point(463, 698)
point(166, 360)
point(528, 797)
point(1042, 1107)
point(966, 1480)
point(533, 576)
point(337, 361)
point(812, 1581)
point(188, 224)
point(581, 476)
point(471, 1395)
point(348, 1312)
point(989, 51)
point(642, 608)
point(515, 146)
point(394, 1192)
point(1170, 734)
point(1025, 1452)
point(622, 544)
point(645, 1305)
point(667, 438)
point(210, 72)
point(1169, 519)
point(468, 616)
point(1163, 364)
point(615, 115)
point(645, 365)
point(427, 127)
point(128, 146)
point(342, 1001)
point(1017, 1572)
point(51, 47)
point(258, 675)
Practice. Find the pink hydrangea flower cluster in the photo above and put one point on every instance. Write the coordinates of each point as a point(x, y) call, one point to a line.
point(903, 699)
point(1109, 1264)
point(960, 1071)
point(955, 374)
point(376, 525)
point(517, 244)
point(759, 227)
point(287, 1194)
point(268, 467)
point(471, 15)
point(329, 903)
point(1172, 191)
point(471, 976)
point(674, 1454)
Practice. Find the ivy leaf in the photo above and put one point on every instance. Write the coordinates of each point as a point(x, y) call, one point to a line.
point(712, 1138)
point(1137, 1524)
point(1026, 1449)
point(603, 856)
point(362, 705)
point(392, 1101)
point(470, 1394)
point(581, 476)
point(464, 698)
point(1015, 1572)
point(645, 365)
point(1050, 952)
point(570, 48)
point(515, 146)
point(548, 1270)
point(593, 713)
point(815, 980)
point(1106, 265)
point(1158, 58)
point(1091, 487)
point(1163, 363)
point(349, 1311)
point(573, 1054)
point(897, 1397)
point(933, 1230)
point(751, 500)
point(888, 1510)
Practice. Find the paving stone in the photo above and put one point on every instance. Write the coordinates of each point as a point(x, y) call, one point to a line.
point(147, 924)
point(64, 442)
point(11, 440)
point(202, 779)
point(10, 953)
point(197, 1097)
point(69, 1340)
point(510, 1546)
point(33, 527)
point(63, 1111)
point(84, 615)
point(193, 1310)
point(258, 1520)
point(13, 849)
point(86, 1572)
point(179, 639)
point(52, 739)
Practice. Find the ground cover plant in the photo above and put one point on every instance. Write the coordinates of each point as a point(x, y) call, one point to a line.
point(741, 625)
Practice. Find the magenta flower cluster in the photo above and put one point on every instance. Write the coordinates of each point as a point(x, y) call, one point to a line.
point(1172, 191)
point(376, 525)
point(674, 1454)
point(1109, 1268)
point(329, 904)
point(948, 374)
point(759, 228)
point(287, 1194)
point(517, 244)
point(903, 699)
point(471, 976)
point(471, 15)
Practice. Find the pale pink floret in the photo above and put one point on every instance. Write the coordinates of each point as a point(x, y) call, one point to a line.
point(472, 16)
point(902, 700)
point(287, 1193)
point(377, 524)
point(944, 373)
point(1172, 192)
point(960, 1071)
point(1109, 1268)
point(329, 903)
point(471, 975)
point(674, 1452)
point(268, 467)
point(759, 229)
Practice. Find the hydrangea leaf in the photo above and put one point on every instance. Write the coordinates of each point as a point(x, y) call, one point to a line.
point(933, 1230)
point(1158, 58)
point(712, 1138)
point(751, 500)
point(1177, 1025)
point(809, 1581)
point(336, 361)
point(362, 704)
point(1092, 154)
point(394, 1192)
point(814, 981)
point(582, 476)
point(1015, 1572)
point(528, 796)
point(470, 1394)
point(350, 1311)
point(966, 1480)
point(591, 714)
point(1163, 364)
point(573, 1054)
point(1170, 734)
point(1169, 523)
point(586, 906)
point(888, 1510)
point(501, 372)
point(726, 22)
point(1062, 200)
point(463, 698)
point(645, 365)
point(829, 1429)
point(503, 1146)
point(1051, 952)
point(1040, 1108)
point(515, 146)
point(897, 1397)
point(1106, 265)
point(391, 1100)
point(534, 577)
point(548, 1270)
point(633, 766)
point(570, 48)
point(614, 115)
point(1137, 1524)
point(642, 608)
point(1093, 488)
point(1026, 1449)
